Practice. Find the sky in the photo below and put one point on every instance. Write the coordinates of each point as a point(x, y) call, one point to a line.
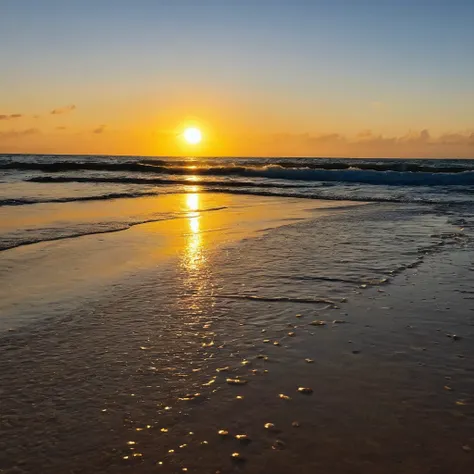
point(355, 78)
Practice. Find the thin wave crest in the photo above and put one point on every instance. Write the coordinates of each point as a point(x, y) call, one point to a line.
point(161, 186)
point(38, 235)
point(348, 175)
point(101, 197)
point(222, 166)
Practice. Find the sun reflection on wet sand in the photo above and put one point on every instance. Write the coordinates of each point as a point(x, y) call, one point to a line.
point(192, 201)
point(193, 259)
point(193, 263)
point(194, 225)
point(193, 249)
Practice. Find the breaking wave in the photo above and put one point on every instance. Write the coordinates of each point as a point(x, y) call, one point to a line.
point(374, 180)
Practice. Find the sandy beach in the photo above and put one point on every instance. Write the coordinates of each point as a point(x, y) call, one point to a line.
point(150, 349)
point(237, 237)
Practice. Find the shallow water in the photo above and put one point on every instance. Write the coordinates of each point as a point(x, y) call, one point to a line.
point(104, 385)
point(53, 277)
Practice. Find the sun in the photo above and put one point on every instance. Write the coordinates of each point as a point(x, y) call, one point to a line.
point(192, 135)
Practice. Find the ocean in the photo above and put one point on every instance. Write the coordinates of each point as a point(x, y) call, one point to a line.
point(33, 179)
point(403, 180)
point(149, 306)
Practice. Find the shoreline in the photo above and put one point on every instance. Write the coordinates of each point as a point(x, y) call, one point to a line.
point(186, 223)
point(112, 388)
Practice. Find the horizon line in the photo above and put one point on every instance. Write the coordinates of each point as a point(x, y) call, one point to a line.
point(315, 157)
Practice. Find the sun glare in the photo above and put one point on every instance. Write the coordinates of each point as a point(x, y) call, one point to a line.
point(192, 135)
point(192, 202)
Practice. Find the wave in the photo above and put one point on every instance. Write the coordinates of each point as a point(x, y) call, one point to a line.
point(229, 187)
point(278, 299)
point(64, 233)
point(420, 181)
point(275, 172)
point(81, 230)
point(101, 197)
point(250, 192)
point(224, 167)
point(299, 190)
point(391, 178)
point(158, 181)
point(367, 282)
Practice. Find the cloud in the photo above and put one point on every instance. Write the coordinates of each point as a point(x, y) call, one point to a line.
point(61, 128)
point(100, 129)
point(18, 133)
point(457, 139)
point(10, 117)
point(63, 110)
point(416, 137)
point(367, 138)
point(328, 138)
point(366, 143)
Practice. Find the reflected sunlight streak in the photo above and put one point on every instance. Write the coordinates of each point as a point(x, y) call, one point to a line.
point(193, 250)
point(194, 225)
point(194, 258)
point(194, 265)
point(192, 202)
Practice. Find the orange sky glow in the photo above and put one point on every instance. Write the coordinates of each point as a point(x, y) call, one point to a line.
point(304, 79)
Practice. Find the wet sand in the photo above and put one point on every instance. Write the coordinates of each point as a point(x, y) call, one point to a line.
point(62, 275)
point(132, 381)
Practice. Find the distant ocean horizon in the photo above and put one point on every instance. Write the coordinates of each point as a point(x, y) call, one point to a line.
point(204, 157)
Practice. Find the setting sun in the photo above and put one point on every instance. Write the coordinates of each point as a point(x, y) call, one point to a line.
point(192, 135)
point(181, 181)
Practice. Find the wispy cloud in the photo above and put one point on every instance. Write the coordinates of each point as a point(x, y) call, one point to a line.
point(10, 116)
point(457, 139)
point(61, 128)
point(100, 129)
point(416, 137)
point(18, 133)
point(63, 110)
point(367, 143)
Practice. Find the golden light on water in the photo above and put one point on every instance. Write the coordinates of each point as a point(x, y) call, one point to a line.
point(194, 225)
point(192, 202)
point(193, 255)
